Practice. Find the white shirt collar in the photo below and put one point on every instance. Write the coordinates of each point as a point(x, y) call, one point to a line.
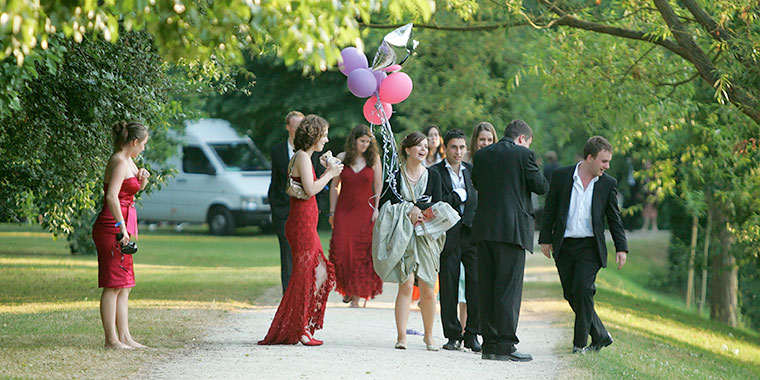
point(448, 165)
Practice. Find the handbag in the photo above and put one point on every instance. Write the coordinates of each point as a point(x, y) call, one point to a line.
point(294, 188)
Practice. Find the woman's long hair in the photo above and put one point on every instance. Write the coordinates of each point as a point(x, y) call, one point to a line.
point(370, 155)
point(440, 150)
point(482, 126)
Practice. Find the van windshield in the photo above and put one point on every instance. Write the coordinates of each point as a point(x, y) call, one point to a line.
point(241, 156)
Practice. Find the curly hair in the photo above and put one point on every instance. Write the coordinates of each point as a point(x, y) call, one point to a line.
point(482, 126)
point(410, 140)
point(370, 154)
point(124, 133)
point(311, 129)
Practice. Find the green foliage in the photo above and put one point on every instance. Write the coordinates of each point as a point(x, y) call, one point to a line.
point(56, 142)
point(310, 32)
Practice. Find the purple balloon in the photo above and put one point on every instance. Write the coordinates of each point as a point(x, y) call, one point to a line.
point(362, 83)
point(379, 77)
point(352, 59)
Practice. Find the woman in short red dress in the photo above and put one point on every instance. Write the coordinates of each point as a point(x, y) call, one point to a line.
point(302, 309)
point(115, 272)
point(354, 198)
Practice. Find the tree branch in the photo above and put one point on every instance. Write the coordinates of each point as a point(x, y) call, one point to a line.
point(671, 45)
point(478, 28)
point(704, 19)
point(734, 94)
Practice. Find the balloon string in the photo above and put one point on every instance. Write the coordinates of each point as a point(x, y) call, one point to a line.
point(390, 150)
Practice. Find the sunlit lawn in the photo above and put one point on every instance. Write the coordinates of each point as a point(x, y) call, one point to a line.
point(655, 336)
point(49, 319)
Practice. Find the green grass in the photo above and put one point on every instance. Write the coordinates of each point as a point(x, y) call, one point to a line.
point(49, 318)
point(656, 337)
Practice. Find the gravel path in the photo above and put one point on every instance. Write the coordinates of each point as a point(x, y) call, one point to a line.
point(359, 345)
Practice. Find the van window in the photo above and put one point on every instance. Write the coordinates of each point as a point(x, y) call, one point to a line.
point(241, 156)
point(195, 161)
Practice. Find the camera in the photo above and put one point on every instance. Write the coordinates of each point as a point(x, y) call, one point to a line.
point(129, 248)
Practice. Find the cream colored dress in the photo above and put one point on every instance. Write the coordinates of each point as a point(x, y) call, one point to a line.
point(397, 252)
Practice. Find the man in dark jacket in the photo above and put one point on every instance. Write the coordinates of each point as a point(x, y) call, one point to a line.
point(457, 190)
point(505, 174)
point(580, 198)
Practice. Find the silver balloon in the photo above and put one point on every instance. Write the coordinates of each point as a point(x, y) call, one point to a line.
point(398, 43)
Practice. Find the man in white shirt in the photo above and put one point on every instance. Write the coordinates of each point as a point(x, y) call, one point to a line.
point(572, 227)
point(458, 191)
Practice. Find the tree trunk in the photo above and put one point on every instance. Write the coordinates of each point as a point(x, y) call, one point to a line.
point(692, 253)
point(705, 257)
point(725, 280)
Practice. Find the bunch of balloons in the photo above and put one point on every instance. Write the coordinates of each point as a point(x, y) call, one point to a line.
point(388, 85)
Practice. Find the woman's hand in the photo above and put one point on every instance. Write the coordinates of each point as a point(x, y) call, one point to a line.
point(415, 215)
point(375, 214)
point(143, 175)
point(124, 233)
point(331, 219)
point(334, 169)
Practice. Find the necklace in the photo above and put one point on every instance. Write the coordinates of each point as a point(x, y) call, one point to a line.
point(413, 180)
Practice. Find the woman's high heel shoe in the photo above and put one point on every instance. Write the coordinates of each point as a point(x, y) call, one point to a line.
point(309, 341)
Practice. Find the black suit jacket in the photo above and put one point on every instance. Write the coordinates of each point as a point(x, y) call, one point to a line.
point(505, 174)
point(449, 196)
point(603, 204)
point(279, 200)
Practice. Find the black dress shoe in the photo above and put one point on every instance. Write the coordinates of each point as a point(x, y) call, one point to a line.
point(472, 343)
point(452, 345)
point(596, 347)
point(580, 350)
point(515, 357)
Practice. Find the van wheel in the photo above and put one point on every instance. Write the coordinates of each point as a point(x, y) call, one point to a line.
point(220, 221)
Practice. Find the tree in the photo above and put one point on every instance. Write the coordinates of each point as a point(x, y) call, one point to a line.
point(56, 144)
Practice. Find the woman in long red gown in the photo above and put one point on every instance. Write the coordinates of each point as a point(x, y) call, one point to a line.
point(116, 274)
point(354, 198)
point(302, 309)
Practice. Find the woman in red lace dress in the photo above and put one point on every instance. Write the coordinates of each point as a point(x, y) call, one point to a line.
point(115, 272)
point(302, 309)
point(354, 198)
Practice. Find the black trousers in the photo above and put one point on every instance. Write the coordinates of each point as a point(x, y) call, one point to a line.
point(578, 263)
point(286, 260)
point(458, 249)
point(501, 267)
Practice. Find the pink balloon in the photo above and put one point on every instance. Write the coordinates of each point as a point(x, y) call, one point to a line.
point(352, 59)
point(362, 83)
point(396, 88)
point(371, 114)
point(379, 78)
point(392, 68)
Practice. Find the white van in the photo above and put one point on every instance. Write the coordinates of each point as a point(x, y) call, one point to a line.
point(222, 179)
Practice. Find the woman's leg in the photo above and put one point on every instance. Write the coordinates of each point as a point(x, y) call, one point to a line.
point(463, 315)
point(320, 275)
point(108, 302)
point(403, 298)
point(427, 307)
point(122, 319)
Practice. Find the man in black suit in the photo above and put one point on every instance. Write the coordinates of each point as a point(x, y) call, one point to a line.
point(279, 201)
point(456, 180)
point(505, 174)
point(580, 197)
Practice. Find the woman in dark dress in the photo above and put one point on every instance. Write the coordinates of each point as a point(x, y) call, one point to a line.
point(354, 202)
point(116, 274)
point(302, 309)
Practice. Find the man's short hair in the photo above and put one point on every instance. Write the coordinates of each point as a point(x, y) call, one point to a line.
point(516, 128)
point(594, 145)
point(291, 115)
point(454, 134)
